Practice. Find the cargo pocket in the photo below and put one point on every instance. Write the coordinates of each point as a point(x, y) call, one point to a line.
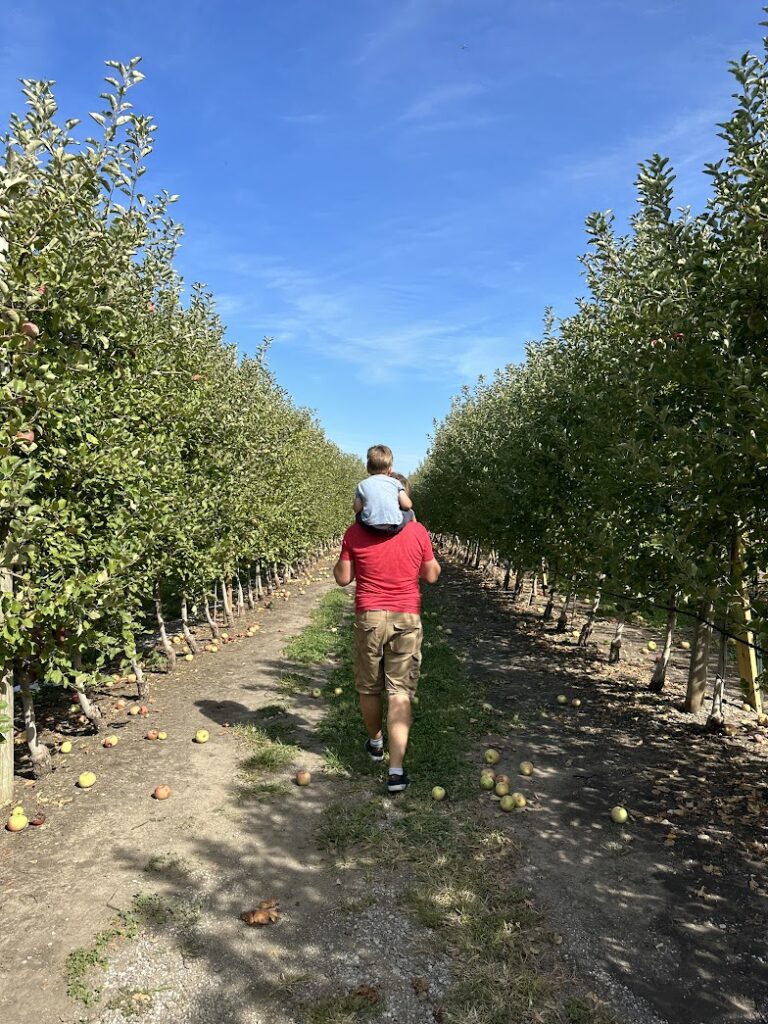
point(405, 639)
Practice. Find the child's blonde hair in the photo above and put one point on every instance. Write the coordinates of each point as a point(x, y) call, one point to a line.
point(379, 459)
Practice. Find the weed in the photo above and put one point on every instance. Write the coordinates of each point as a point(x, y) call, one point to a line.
point(262, 791)
point(80, 962)
point(268, 755)
point(346, 1009)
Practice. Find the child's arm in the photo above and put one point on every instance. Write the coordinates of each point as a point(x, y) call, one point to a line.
point(403, 500)
point(357, 504)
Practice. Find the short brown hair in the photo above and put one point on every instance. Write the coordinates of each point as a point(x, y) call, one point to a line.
point(379, 458)
point(404, 481)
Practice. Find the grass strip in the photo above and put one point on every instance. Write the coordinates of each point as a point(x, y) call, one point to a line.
point(461, 870)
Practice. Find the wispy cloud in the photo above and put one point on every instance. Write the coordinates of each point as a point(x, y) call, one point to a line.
point(405, 19)
point(435, 101)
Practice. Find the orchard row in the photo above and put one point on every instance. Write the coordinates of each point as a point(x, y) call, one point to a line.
point(628, 455)
point(141, 462)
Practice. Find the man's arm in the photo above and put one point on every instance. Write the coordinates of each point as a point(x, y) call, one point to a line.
point(403, 500)
point(344, 572)
point(430, 571)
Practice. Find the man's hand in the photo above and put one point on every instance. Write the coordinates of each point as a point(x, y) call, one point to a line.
point(344, 572)
point(429, 572)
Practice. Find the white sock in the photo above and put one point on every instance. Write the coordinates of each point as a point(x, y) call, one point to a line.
point(377, 743)
point(395, 771)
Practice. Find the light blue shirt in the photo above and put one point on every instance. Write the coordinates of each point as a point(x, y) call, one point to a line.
point(379, 495)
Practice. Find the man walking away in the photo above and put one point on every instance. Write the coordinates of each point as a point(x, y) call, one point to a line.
point(388, 633)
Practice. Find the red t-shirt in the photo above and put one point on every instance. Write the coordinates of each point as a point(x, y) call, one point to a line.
point(387, 567)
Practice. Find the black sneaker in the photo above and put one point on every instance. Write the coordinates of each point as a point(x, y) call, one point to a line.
point(398, 783)
point(375, 753)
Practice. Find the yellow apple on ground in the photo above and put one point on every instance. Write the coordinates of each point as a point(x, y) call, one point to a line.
point(201, 736)
point(507, 803)
point(134, 710)
point(303, 777)
point(86, 780)
point(651, 645)
point(110, 741)
point(491, 756)
point(438, 793)
point(575, 634)
point(17, 822)
point(317, 693)
point(519, 799)
point(685, 645)
point(162, 735)
point(501, 788)
point(131, 677)
point(189, 657)
point(526, 768)
point(66, 747)
point(619, 815)
point(562, 699)
point(576, 702)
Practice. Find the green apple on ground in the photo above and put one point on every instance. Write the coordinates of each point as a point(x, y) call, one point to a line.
point(438, 793)
point(562, 699)
point(501, 788)
point(491, 756)
point(317, 693)
point(86, 780)
point(526, 768)
point(507, 803)
point(519, 799)
point(487, 782)
point(619, 815)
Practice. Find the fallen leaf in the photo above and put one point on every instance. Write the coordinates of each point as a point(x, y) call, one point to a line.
point(266, 913)
point(368, 992)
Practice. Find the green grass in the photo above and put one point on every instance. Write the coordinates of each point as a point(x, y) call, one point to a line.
point(81, 962)
point(267, 754)
point(260, 792)
point(347, 1009)
point(461, 871)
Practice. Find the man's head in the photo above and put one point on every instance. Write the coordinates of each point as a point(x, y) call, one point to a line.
point(404, 481)
point(379, 459)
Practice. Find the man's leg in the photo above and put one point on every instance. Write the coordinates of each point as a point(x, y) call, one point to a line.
point(398, 727)
point(371, 706)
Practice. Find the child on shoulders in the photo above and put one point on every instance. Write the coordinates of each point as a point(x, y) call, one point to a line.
point(381, 501)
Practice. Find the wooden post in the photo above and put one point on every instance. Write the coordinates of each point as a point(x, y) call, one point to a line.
point(741, 616)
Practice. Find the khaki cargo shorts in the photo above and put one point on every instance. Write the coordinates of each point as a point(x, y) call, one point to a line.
point(387, 652)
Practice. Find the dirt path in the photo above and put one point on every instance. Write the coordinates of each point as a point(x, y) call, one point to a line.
point(668, 914)
point(185, 868)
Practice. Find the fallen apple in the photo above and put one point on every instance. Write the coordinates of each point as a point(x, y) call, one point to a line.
point(17, 822)
point(110, 741)
point(66, 747)
point(438, 793)
point(519, 799)
point(501, 788)
point(576, 702)
point(161, 792)
point(491, 756)
point(507, 802)
point(685, 645)
point(162, 735)
point(86, 780)
point(526, 768)
point(201, 736)
point(338, 691)
point(133, 710)
point(143, 709)
point(619, 815)
point(503, 778)
point(189, 657)
point(131, 677)
point(575, 634)
point(317, 693)
point(651, 645)
point(562, 699)
point(303, 777)
point(487, 782)
point(153, 734)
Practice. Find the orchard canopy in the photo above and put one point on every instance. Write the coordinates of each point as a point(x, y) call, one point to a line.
point(629, 453)
point(139, 457)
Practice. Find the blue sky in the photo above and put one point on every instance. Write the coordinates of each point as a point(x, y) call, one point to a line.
point(395, 191)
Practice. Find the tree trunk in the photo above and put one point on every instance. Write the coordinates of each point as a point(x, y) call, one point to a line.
point(562, 621)
point(519, 582)
point(697, 674)
point(192, 644)
point(165, 643)
point(614, 654)
point(39, 753)
point(259, 583)
point(659, 676)
point(142, 686)
point(240, 597)
point(6, 707)
point(549, 608)
point(586, 629)
point(716, 719)
point(507, 574)
point(249, 594)
point(226, 599)
point(534, 590)
point(215, 632)
point(91, 711)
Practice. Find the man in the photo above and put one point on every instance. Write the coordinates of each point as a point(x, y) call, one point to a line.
point(388, 633)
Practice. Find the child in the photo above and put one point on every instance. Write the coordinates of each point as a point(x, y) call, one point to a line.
point(381, 501)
